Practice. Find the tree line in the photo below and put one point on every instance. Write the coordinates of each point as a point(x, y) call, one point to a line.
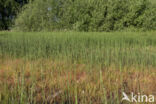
point(78, 15)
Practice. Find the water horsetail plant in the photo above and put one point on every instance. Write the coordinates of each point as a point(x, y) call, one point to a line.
point(76, 67)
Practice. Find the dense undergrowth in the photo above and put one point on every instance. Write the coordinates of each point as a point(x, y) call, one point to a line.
point(76, 67)
point(60, 82)
point(119, 49)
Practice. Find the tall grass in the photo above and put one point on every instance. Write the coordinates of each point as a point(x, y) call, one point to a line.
point(75, 67)
point(48, 82)
point(106, 49)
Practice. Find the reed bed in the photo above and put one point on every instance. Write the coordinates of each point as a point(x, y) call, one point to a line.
point(76, 67)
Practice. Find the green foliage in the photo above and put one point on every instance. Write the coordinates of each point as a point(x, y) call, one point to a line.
point(37, 16)
point(126, 49)
point(87, 15)
point(8, 8)
point(8, 11)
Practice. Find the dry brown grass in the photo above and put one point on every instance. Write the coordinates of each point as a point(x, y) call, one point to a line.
point(59, 81)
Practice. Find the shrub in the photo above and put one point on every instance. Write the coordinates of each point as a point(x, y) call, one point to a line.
point(36, 16)
point(87, 15)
